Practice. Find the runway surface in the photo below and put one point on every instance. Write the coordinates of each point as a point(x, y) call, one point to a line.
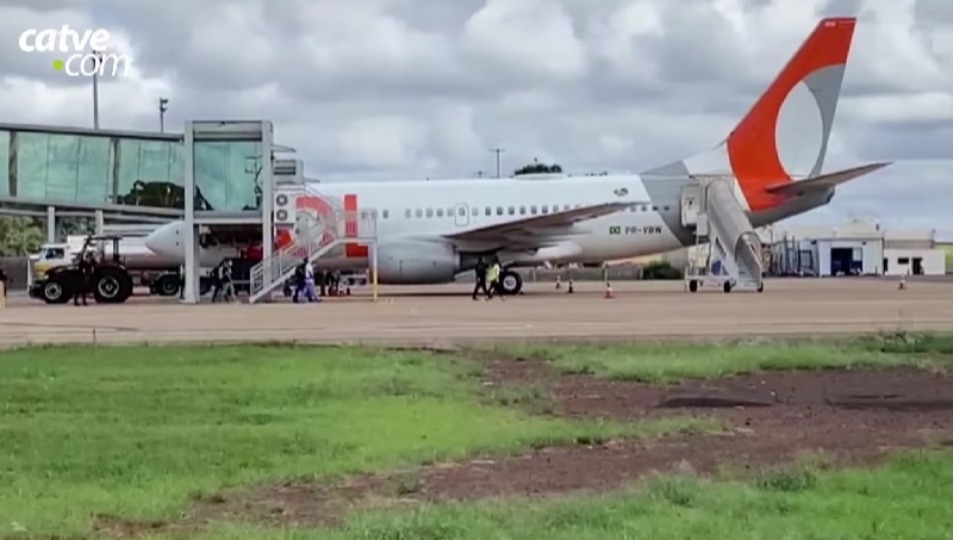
point(444, 315)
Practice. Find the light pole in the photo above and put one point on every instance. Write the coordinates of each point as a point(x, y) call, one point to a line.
point(163, 108)
point(97, 58)
point(498, 151)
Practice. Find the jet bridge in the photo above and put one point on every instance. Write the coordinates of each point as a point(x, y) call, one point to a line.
point(728, 251)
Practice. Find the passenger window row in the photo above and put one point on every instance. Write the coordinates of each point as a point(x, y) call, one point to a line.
point(532, 210)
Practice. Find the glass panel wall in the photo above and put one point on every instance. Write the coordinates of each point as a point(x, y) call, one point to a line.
point(64, 167)
point(227, 175)
point(98, 169)
point(150, 173)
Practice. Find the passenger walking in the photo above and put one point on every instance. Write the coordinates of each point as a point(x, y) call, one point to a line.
point(229, 292)
point(299, 281)
point(309, 284)
point(493, 280)
point(480, 277)
point(217, 277)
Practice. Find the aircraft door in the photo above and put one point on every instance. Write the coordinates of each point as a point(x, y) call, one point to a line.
point(461, 214)
point(689, 205)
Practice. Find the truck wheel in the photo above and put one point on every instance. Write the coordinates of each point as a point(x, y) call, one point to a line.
point(168, 285)
point(54, 292)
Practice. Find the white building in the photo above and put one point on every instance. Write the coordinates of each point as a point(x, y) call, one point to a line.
point(859, 247)
point(913, 253)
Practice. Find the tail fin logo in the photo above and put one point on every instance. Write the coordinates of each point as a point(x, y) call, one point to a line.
point(786, 132)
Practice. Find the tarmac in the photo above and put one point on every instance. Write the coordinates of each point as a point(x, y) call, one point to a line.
point(446, 316)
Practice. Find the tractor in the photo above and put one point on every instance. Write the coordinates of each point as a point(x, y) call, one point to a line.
point(110, 282)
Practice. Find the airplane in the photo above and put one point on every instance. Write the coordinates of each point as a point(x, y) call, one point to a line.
point(430, 231)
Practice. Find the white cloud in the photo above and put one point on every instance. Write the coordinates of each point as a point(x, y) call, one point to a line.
point(409, 88)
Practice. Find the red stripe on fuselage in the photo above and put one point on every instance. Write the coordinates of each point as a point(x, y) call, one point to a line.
point(351, 227)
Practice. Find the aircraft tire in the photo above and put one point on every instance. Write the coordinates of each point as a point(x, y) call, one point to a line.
point(511, 282)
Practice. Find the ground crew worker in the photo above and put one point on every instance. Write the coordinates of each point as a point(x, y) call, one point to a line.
point(493, 280)
point(480, 276)
point(84, 269)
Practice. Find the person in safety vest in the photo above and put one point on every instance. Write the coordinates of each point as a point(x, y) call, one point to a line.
point(493, 279)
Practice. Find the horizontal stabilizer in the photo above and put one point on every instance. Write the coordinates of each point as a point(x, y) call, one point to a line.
point(797, 188)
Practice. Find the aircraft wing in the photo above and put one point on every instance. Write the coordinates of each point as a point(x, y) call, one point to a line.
point(817, 183)
point(535, 230)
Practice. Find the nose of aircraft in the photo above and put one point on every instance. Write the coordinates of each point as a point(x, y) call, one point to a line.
point(165, 240)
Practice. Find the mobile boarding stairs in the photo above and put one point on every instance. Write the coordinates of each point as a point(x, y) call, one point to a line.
point(728, 252)
point(315, 237)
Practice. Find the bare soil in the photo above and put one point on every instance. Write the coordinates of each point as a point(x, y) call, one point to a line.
point(853, 417)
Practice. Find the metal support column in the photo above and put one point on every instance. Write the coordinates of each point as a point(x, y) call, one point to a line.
point(267, 187)
point(191, 247)
point(51, 224)
point(98, 222)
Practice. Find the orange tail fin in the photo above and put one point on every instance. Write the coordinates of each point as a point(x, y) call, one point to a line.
point(786, 132)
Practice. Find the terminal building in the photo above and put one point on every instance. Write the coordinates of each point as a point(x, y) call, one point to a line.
point(213, 177)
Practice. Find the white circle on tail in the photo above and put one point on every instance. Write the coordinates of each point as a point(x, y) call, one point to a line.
point(799, 131)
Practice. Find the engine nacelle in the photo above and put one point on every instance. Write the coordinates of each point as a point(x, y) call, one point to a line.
point(412, 262)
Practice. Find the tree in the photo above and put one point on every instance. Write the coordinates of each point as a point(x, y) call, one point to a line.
point(20, 236)
point(538, 168)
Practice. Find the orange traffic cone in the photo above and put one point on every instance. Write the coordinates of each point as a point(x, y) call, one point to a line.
point(609, 291)
point(570, 286)
point(558, 282)
point(903, 283)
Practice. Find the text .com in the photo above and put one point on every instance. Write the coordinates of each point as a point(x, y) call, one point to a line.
point(82, 54)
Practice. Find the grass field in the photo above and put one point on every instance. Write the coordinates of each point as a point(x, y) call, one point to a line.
point(137, 432)
point(908, 497)
point(668, 362)
point(134, 432)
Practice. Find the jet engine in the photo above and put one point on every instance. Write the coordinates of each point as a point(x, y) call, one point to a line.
point(411, 262)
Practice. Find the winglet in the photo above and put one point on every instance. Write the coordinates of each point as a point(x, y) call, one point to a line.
point(797, 188)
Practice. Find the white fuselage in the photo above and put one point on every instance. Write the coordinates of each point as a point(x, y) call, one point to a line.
point(433, 209)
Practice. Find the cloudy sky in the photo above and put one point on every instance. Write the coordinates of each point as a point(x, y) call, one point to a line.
point(379, 89)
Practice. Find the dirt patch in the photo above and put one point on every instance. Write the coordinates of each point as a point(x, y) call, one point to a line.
point(854, 417)
point(580, 395)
